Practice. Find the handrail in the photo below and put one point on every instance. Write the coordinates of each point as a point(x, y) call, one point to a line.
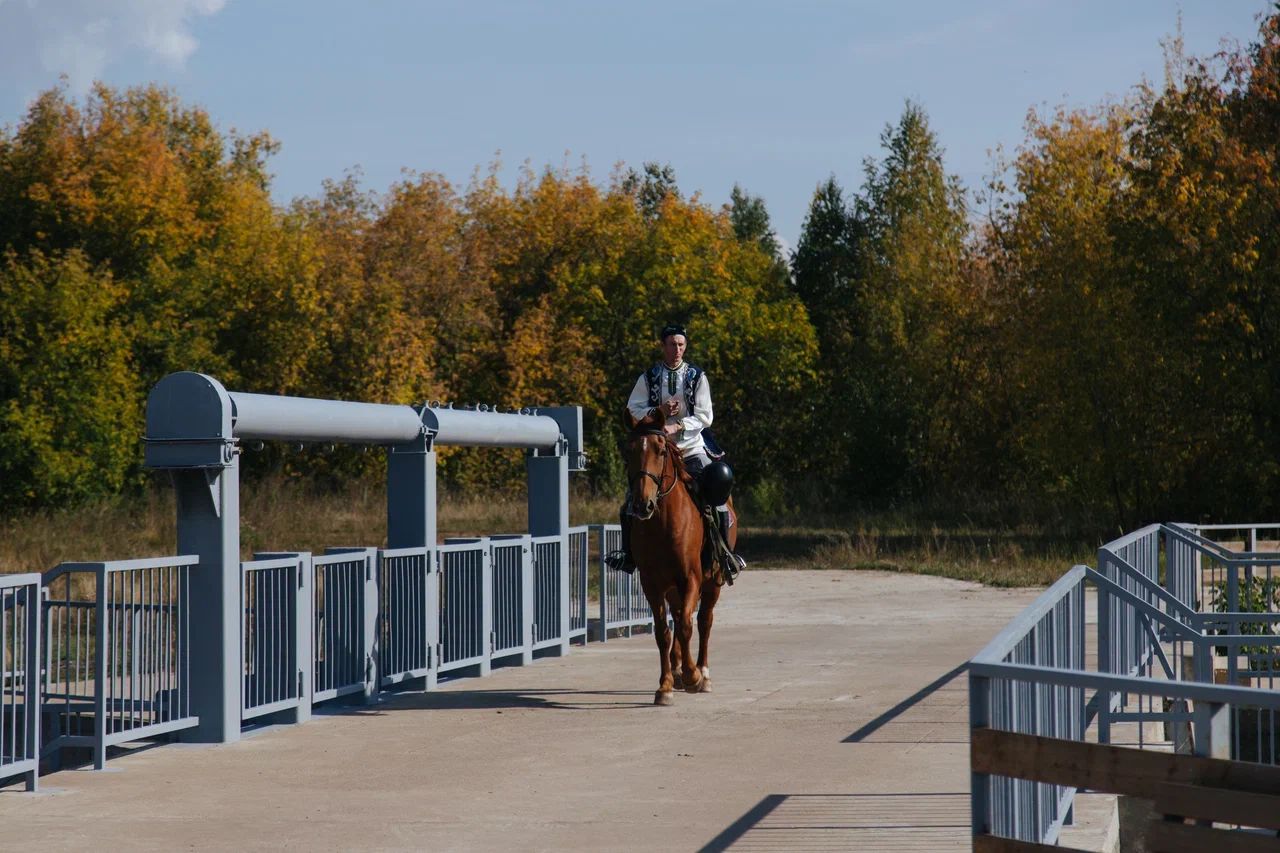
point(1192, 690)
point(119, 565)
point(1205, 546)
point(1004, 642)
point(1132, 572)
point(1100, 580)
point(1130, 538)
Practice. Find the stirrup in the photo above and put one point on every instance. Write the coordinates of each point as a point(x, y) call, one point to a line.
point(617, 560)
point(732, 565)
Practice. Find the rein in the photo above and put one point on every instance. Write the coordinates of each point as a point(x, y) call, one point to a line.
point(657, 479)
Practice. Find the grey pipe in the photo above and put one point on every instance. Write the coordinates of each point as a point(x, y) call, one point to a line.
point(304, 419)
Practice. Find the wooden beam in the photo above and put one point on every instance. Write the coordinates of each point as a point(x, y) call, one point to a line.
point(1109, 769)
point(996, 844)
point(1219, 804)
point(1168, 837)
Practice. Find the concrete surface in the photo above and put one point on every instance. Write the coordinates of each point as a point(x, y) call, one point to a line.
point(838, 721)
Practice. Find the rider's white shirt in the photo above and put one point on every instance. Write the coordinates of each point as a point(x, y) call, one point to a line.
point(690, 441)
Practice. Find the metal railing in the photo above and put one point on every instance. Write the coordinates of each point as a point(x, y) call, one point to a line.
point(343, 662)
point(117, 666)
point(547, 592)
point(406, 601)
point(114, 638)
point(579, 559)
point(20, 619)
point(511, 584)
point(623, 605)
point(275, 616)
point(1157, 682)
point(464, 604)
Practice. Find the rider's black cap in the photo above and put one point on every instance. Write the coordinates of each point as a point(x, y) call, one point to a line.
point(672, 329)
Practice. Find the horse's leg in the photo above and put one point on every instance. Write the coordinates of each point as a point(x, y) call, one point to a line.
point(706, 615)
point(673, 649)
point(693, 680)
point(663, 638)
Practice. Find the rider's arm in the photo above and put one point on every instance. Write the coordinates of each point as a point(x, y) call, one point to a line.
point(638, 402)
point(693, 423)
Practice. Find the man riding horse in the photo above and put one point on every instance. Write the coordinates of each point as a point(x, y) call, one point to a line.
point(681, 392)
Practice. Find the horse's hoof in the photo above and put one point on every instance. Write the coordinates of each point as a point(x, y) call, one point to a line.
point(662, 697)
point(677, 680)
point(705, 685)
point(695, 686)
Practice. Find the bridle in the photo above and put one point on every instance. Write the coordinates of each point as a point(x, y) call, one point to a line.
point(658, 478)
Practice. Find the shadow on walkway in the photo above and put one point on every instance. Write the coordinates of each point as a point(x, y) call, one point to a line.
point(880, 822)
point(485, 700)
point(907, 704)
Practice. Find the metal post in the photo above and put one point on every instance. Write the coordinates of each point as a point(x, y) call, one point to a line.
point(411, 494)
point(372, 677)
point(979, 783)
point(603, 571)
point(486, 605)
point(526, 600)
point(411, 523)
point(209, 526)
point(1104, 653)
point(549, 516)
point(304, 628)
point(1212, 722)
point(32, 683)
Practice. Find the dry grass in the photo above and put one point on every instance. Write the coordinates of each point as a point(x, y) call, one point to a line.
point(278, 515)
point(283, 515)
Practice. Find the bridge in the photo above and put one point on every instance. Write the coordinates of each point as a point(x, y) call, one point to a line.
point(838, 721)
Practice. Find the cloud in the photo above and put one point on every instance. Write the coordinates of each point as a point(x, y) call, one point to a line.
point(40, 39)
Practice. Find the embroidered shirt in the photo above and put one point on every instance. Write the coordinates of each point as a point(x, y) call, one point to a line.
point(671, 386)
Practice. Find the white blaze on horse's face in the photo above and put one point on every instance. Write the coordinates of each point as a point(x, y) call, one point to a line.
point(646, 483)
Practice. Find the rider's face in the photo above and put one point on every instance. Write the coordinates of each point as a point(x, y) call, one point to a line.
point(673, 348)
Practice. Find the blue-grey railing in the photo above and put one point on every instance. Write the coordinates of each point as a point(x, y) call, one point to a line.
point(622, 602)
point(512, 583)
point(1170, 672)
point(579, 557)
point(114, 639)
point(20, 605)
point(406, 632)
point(345, 623)
point(464, 606)
point(117, 668)
point(547, 591)
point(274, 631)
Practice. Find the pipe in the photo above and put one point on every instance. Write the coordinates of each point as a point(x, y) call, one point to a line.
point(491, 429)
point(272, 418)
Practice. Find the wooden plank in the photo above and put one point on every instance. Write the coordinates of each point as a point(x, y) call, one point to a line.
point(996, 844)
point(1166, 837)
point(1109, 769)
point(1219, 804)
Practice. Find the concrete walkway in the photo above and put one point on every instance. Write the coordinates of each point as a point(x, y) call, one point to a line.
point(837, 721)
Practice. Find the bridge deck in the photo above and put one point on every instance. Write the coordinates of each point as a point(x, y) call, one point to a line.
point(838, 721)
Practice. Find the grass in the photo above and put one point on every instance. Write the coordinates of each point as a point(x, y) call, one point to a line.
point(279, 515)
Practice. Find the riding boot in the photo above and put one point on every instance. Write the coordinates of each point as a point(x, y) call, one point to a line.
point(621, 559)
point(732, 562)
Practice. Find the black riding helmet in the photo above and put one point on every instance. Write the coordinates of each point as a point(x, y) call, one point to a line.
point(716, 481)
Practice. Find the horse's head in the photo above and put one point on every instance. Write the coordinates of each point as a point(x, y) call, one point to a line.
point(651, 468)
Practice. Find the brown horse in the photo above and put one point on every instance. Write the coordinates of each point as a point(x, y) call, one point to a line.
point(667, 539)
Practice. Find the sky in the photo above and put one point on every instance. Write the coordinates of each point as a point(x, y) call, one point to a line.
point(772, 96)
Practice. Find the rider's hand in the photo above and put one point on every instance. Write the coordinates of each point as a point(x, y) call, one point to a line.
point(671, 429)
point(672, 407)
